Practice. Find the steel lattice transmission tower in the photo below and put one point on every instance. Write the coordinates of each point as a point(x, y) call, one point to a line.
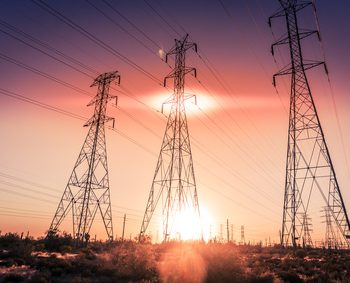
point(174, 179)
point(332, 240)
point(307, 241)
point(87, 190)
point(309, 166)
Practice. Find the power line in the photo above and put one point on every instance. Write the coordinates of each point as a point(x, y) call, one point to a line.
point(94, 39)
point(225, 133)
point(67, 113)
point(13, 178)
point(43, 74)
point(124, 93)
point(70, 114)
point(69, 58)
point(122, 28)
point(213, 72)
point(26, 195)
point(331, 89)
point(82, 118)
point(37, 185)
point(42, 51)
point(160, 16)
point(131, 23)
point(47, 46)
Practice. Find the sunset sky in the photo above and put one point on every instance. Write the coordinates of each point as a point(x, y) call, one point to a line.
point(238, 129)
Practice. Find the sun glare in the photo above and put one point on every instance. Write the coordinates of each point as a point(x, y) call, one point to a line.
point(187, 225)
point(161, 53)
point(193, 106)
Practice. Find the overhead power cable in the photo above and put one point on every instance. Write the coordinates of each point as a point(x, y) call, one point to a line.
point(43, 5)
point(131, 23)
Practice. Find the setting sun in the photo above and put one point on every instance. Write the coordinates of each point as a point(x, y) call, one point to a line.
point(194, 103)
point(187, 226)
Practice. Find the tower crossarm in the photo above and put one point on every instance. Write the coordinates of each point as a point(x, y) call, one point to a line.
point(87, 191)
point(309, 163)
point(174, 180)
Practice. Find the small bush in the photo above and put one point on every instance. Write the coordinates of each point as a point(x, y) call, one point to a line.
point(290, 276)
point(55, 242)
point(42, 277)
point(300, 253)
point(13, 277)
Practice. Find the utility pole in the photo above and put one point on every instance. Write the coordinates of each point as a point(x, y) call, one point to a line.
point(228, 232)
point(124, 219)
point(87, 191)
point(174, 179)
point(331, 238)
point(307, 241)
point(221, 233)
point(242, 235)
point(309, 165)
point(232, 233)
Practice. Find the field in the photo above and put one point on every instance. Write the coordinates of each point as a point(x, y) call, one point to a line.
point(56, 260)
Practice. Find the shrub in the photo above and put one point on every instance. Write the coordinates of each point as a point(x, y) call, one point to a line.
point(289, 276)
point(55, 242)
point(42, 277)
point(264, 278)
point(16, 247)
point(13, 277)
point(300, 253)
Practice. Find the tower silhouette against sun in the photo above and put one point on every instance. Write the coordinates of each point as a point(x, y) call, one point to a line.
point(309, 167)
point(174, 182)
point(87, 192)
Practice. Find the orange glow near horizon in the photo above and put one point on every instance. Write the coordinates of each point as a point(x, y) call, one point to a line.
point(187, 225)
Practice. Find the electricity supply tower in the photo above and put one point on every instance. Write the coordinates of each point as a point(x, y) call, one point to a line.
point(242, 235)
point(332, 240)
point(174, 180)
point(307, 241)
point(309, 166)
point(87, 190)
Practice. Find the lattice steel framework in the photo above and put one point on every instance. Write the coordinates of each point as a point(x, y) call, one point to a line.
point(307, 241)
point(174, 179)
point(332, 240)
point(87, 190)
point(309, 165)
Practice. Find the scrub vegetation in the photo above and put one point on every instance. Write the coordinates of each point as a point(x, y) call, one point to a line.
point(55, 259)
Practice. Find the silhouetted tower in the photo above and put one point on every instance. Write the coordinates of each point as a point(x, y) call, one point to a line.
point(309, 165)
point(232, 233)
point(331, 238)
point(242, 235)
point(174, 178)
point(221, 233)
point(227, 232)
point(307, 241)
point(123, 231)
point(87, 191)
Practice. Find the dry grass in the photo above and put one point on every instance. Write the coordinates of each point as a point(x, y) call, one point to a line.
point(28, 260)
